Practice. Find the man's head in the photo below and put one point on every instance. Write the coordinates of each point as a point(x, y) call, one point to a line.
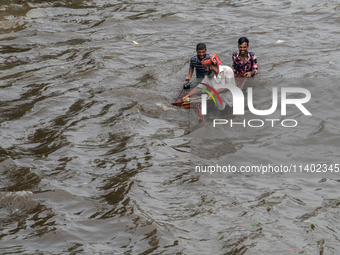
point(243, 45)
point(201, 50)
point(211, 64)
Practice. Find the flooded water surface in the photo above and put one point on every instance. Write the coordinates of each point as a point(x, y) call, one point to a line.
point(94, 159)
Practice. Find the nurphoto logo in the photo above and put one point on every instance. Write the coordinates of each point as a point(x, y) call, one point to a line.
point(239, 103)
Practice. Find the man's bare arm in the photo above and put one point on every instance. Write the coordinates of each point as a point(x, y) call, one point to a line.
point(191, 71)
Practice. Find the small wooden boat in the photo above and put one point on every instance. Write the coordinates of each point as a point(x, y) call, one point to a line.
point(195, 101)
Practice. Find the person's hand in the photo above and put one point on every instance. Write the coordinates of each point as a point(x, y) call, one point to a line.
point(185, 98)
point(248, 74)
point(187, 78)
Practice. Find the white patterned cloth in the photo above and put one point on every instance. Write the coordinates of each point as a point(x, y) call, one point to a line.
point(224, 77)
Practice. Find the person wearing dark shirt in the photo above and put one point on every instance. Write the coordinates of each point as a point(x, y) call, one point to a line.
point(195, 63)
point(244, 62)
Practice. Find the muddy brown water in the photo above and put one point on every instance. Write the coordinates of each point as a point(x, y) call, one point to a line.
point(95, 160)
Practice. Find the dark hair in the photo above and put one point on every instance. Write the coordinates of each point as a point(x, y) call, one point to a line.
point(242, 40)
point(200, 46)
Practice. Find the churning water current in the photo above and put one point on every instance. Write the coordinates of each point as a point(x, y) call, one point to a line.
point(94, 159)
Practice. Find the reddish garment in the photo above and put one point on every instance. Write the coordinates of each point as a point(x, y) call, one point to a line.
point(249, 65)
point(213, 59)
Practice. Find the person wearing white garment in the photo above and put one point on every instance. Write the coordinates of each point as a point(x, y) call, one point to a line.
point(217, 75)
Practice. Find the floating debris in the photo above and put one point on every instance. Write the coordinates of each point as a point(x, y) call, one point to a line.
point(255, 223)
point(135, 42)
point(280, 41)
